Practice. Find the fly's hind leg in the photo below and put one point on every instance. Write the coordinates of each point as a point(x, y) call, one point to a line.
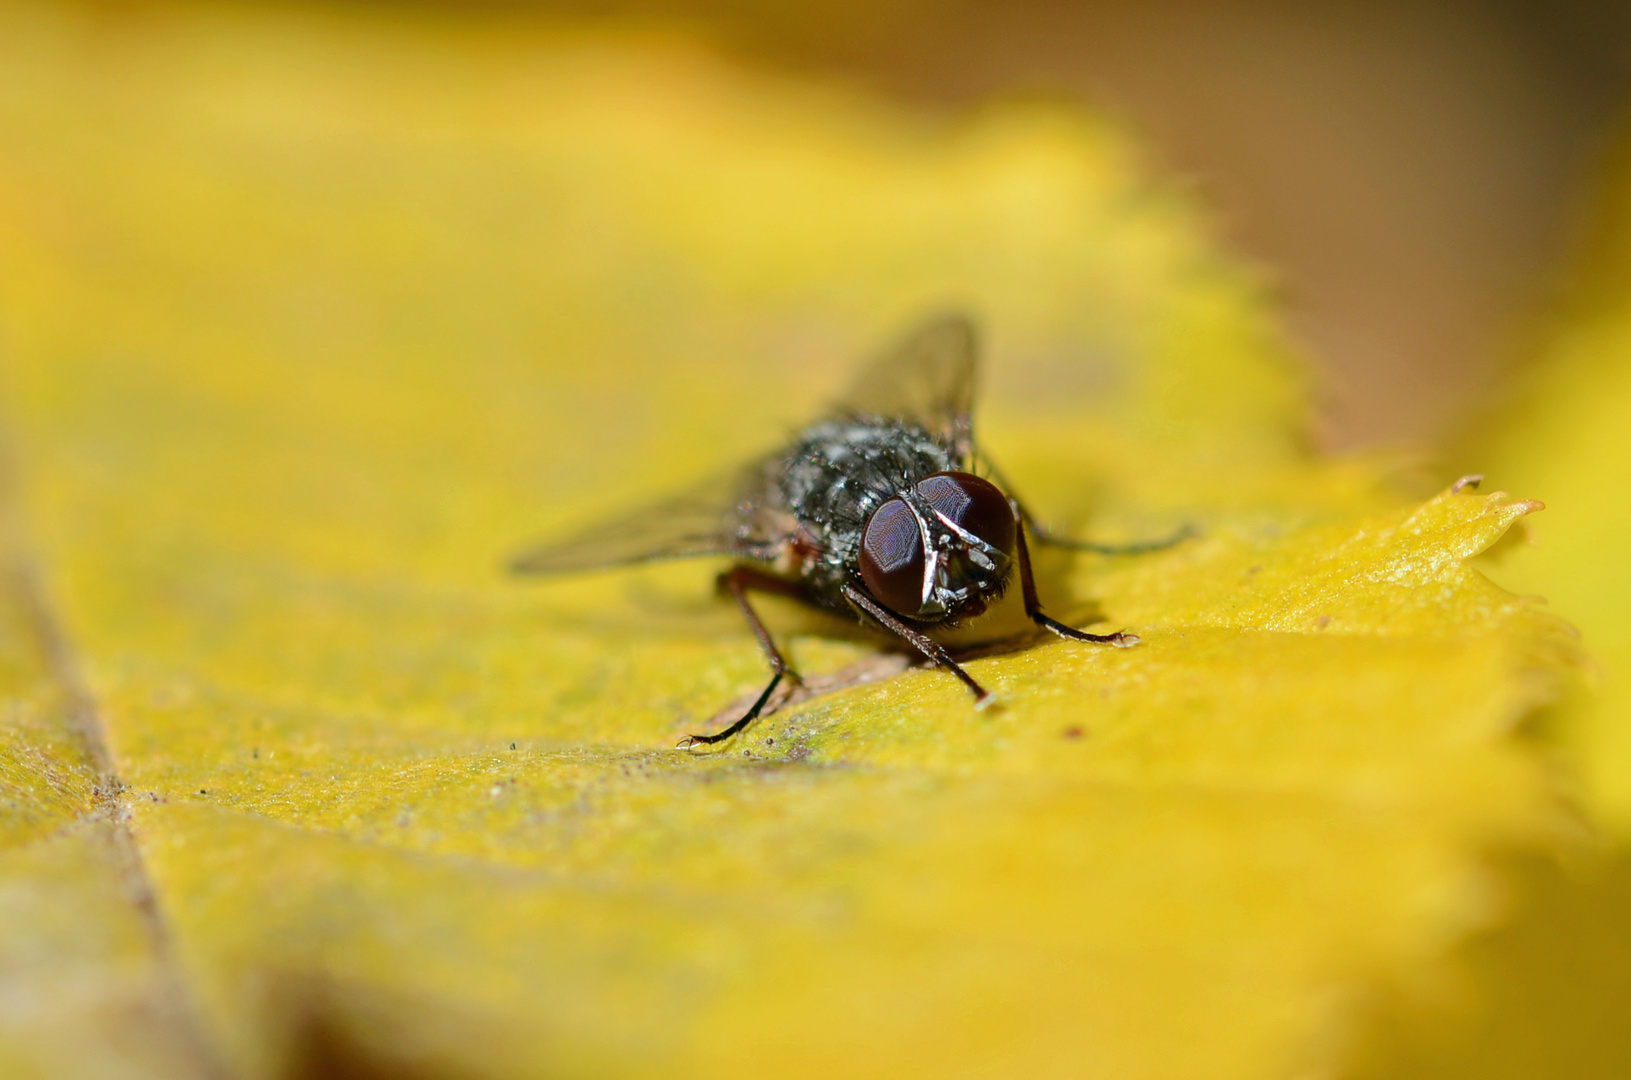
point(737, 581)
point(1033, 605)
point(1048, 538)
point(1140, 547)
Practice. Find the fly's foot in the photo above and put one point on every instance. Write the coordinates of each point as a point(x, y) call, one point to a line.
point(1121, 639)
point(691, 741)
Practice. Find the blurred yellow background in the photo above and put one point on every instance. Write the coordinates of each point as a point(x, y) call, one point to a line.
point(310, 313)
point(1409, 173)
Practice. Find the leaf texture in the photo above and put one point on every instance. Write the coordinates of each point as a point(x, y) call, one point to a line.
point(311, 318)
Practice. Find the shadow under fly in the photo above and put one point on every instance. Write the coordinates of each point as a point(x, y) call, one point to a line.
point(884, 510)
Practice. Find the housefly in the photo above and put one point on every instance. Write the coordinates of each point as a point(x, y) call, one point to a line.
point(877, 511)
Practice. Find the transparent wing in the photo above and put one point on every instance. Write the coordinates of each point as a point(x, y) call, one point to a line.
point(928, 379)
point(732, 514)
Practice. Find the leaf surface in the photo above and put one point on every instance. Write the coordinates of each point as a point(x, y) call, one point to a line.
point(311, 319)
point(1537, 991)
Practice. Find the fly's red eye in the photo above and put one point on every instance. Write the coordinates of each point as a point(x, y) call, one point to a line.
point(974, 505)
point(892, 557)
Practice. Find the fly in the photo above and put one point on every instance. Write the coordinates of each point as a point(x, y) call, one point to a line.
point(874, 512)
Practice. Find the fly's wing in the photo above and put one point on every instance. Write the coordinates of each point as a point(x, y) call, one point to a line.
point(927, 379)
point(733, 514)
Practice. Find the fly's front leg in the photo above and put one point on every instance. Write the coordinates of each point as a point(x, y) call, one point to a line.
point(918, 640)
point(1033, 605)
point(737, 581)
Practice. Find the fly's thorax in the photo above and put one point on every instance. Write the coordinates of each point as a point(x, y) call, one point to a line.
point(835, 475)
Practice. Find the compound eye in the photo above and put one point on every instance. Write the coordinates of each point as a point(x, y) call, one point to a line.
point(974, 505)
point(892, 557)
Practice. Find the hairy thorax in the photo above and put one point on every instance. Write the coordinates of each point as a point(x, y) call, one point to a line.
point(836, 474)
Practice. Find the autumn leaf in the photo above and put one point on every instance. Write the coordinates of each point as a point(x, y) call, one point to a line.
point(311, 319)
point(1539, 989)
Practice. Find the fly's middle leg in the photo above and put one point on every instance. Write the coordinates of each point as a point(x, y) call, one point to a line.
point(737, 581)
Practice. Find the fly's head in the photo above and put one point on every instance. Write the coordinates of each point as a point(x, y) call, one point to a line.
point(941, 551)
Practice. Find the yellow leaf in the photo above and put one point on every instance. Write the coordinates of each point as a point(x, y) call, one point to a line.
point(86, 989)
point(1540, 990)
point(311, 319)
